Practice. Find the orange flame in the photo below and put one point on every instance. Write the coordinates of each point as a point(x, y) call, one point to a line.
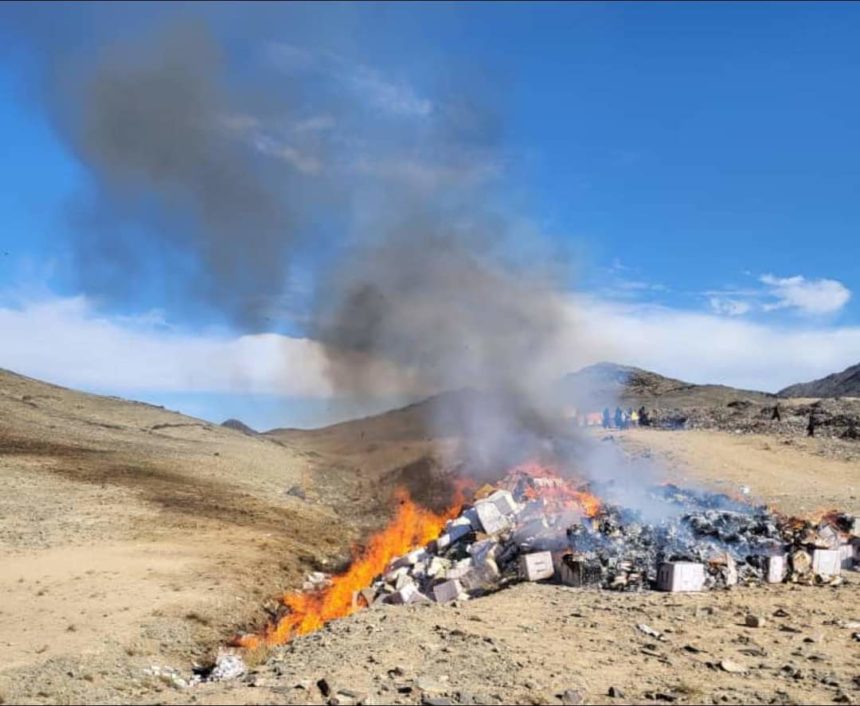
point(557, 492)
point(412, 526)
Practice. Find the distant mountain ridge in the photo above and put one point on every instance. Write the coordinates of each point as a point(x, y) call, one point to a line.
point(607, 383)
point(844, 384)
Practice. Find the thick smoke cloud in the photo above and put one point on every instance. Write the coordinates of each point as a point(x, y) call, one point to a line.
point(424, 272)
point(156, 123)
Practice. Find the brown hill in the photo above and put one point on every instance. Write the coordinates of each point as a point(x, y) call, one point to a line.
point(844, 384)
point(605, 384)
point(132, 535)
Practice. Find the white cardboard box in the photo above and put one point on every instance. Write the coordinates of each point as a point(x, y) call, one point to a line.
point(407, 594)
point(490, 519)
point(775, 568)
point(447, 591)
point(537, 566)
point(826, 562)
point(680, 576)
point(504, 502)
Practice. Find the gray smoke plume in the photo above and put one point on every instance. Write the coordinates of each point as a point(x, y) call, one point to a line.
point(156, 124)
point(426, 276)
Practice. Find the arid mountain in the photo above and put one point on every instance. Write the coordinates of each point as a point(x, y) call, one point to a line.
point(605, 384)
point(238, 425)
point(844, 384)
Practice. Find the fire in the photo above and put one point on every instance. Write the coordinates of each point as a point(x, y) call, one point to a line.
point(412, 526)
point(540, 482)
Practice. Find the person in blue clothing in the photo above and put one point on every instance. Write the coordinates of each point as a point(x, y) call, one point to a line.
point(619, 418)
point(606, 423)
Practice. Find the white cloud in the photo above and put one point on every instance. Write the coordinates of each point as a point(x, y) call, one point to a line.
point(397, 98)
point(705, 348)
point(819, 296)
point(374, 87)
point(729, 307)
point(67, 341)
point(300, 161)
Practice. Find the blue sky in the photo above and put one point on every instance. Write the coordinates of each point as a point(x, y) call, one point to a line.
point(699, 164)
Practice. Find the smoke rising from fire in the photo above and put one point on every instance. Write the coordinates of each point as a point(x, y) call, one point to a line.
point(159, 126)
point(224, 175)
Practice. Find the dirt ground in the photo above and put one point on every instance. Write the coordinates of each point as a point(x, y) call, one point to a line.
point(132, 537)
point(797, 475)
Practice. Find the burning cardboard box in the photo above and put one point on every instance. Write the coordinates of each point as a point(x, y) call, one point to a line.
point(487, 518)
point(407, 595)
point(580, 570)
point(680, 576)
point(504, 502)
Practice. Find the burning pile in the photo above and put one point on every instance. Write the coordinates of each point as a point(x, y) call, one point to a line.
point(536, 525)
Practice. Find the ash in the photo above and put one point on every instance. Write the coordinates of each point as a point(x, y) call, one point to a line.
point(544, 529)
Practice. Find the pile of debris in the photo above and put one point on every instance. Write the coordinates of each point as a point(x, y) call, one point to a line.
point(543, 529)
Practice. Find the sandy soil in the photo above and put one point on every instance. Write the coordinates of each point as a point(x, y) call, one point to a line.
point(531, 643)
point(131, 535)
point(795, 475)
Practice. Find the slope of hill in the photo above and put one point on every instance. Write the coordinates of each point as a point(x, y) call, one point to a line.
point(133, 535)
point(844, 384)
point(607, 383)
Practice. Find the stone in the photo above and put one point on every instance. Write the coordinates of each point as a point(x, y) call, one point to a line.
point(536, 566)
point(324, 687)
point(755, 621)
point(648, 630)
point(615, 693)
point(572, 697)
point(731, 667)
point(430, 685)
point(680, 576)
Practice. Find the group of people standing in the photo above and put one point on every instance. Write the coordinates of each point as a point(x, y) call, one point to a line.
point(624, 419)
